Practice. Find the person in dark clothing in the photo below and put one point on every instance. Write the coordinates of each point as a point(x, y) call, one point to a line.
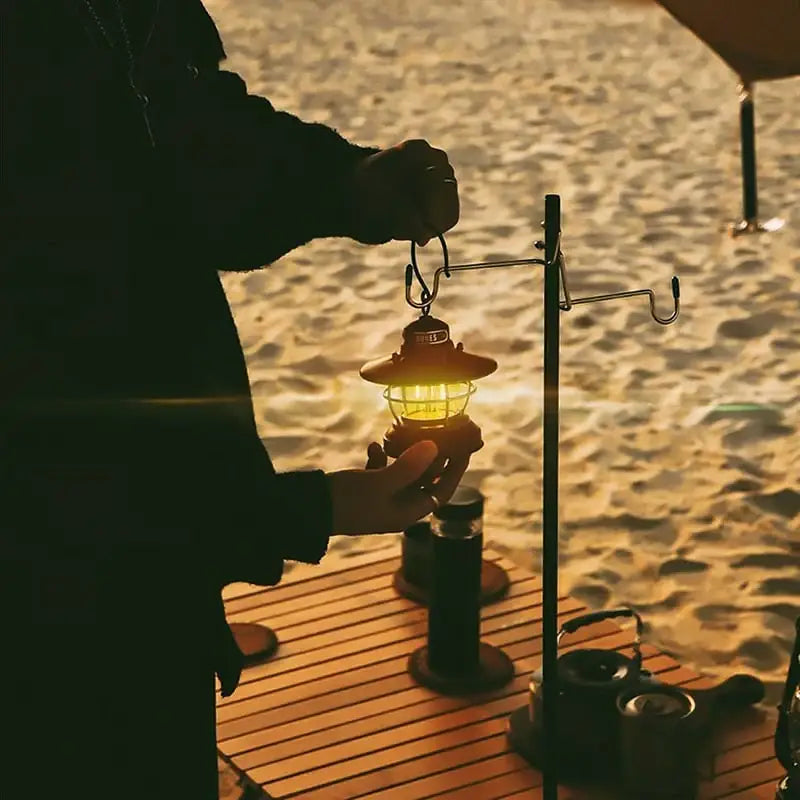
point(134, 484)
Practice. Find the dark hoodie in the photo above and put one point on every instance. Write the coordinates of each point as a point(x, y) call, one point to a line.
point(135, 485)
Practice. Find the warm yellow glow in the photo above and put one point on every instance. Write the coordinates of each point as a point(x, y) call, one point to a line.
point(429, 403)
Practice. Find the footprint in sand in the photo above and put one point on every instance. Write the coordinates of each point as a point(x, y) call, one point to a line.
point(681, 566)
point(787, 611)
point(708, 536)
point(593, 595)
point(744, 465)
point(755, 433)
point(715, 614)
point(768, 560)
point(749, 327)
point(741, 485)
point(785, 503)
point(760, 654)
point(782, 586)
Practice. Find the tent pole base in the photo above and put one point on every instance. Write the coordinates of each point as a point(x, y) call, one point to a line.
point(746, 226)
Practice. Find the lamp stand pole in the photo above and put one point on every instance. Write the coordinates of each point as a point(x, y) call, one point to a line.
point(552, 294)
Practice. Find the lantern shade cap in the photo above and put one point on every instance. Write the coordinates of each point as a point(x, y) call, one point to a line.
point(427, 356)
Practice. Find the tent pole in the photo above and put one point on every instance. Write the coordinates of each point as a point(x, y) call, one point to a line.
point(747, 129)
point(747, 133)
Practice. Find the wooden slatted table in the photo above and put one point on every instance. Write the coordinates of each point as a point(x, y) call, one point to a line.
point(335, 716)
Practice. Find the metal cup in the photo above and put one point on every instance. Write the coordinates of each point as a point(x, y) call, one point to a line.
point(659, 744)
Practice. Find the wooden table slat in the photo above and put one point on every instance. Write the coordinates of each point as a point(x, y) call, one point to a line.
point(441, 771)
point(383, 599)
point(330, 684)
point(308, 580)
point(416, 700)
point(746, 777)
point(498, 629)
point(493, 788)
point(300, 575)
point(765, 791)
point(392, 746)
point(393, 680)
point(357, 637)
point(380, 616)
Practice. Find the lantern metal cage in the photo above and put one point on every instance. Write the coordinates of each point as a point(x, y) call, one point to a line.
point(428, 404)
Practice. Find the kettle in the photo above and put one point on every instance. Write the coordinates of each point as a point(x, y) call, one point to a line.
point(589, 682)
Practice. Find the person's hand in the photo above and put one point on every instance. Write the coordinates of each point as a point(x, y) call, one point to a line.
point(407, 192)
point(387, 499)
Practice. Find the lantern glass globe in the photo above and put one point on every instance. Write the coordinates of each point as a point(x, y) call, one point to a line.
point(428, 404)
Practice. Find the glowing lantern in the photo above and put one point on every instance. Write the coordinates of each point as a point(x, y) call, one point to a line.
point(428, 385)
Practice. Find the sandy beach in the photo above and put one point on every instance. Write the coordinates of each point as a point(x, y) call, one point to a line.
point(680, 449)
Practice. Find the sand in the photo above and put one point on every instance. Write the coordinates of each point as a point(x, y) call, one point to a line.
point(680, 447)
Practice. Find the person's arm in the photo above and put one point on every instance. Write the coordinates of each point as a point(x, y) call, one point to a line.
point(267, 518)
point(251, 181)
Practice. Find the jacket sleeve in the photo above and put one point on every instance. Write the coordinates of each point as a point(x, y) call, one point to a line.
point(253, 182)
point(273, 517)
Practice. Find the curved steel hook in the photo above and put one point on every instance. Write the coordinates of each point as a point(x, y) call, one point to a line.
point(426, 296)
point(568, 302)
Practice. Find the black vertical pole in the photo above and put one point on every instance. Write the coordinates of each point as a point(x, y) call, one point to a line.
point(552, 296)
point(747, 127)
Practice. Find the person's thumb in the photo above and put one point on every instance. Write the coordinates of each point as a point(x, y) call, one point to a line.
point(376, 458)
point(411, 465)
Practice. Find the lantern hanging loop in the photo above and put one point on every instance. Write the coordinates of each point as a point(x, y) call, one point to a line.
point(427, 296)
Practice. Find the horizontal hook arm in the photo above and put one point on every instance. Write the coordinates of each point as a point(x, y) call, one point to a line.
point(455, 268)
point(599, 298)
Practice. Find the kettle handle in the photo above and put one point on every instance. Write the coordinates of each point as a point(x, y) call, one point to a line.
point(574, 624)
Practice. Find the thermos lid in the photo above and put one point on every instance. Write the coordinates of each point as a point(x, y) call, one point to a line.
point(419, 531)
point(465, 504)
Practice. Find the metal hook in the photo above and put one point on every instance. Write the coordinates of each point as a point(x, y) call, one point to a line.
point(569, 301)
point(426, 296)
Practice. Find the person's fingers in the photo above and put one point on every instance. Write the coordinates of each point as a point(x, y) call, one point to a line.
point(376, 458)
point(410, 466)
point(433, 472)
point(450, 478)
point(415, 149)
point(410, 224)
point(420, 152)
point(413, 504)
point(440, 171)
point(438, 200)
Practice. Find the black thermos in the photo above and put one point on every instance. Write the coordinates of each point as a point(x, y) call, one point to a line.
point(454, 610)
